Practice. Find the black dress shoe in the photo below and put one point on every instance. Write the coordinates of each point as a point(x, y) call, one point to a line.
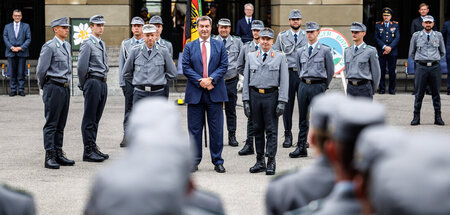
point(416, 119)
point(124, 142)
point(247, 149)
point(21, 93)
point(96, 150)
point(287, 139)
point(194, 168)
point(392, 93)
point(50, 162)
point(260, 166)
point(90, 155)
point(11, 94)
point(438, 119)
point(62, 160)
point(219, 168)
point(270, 166)
point(300, 151)
point(448, 92)
point(232, 140)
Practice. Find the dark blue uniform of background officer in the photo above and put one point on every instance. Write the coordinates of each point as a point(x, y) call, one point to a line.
point(387, 36)
point(446, 35)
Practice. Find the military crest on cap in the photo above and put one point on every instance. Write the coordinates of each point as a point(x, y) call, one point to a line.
point(428, 18)
point(225, 22)
point(387, 11)
point(63, 21)
point(137, 21)
point(97, 19)
point(257, 25)
point(311, 26)
point(156, 20)
point(357, 26)
point(267, 32)
point(148, 28)
point(295, 14)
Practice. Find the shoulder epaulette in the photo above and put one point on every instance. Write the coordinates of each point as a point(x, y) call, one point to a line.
point(395, 22)
point(378, 22)
point(236, 37)
point(248, 42)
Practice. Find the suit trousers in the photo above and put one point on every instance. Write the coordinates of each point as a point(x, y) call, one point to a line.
point(230, 106)
point(265, 121)
point(448, 69)
point(128, 93)
point(306, 93)
point(17, 67)
point(294, 81)
point(364, 90)
point(430, 76)
point(138, 95)
point(56, 108)
point(390, 61)
point(196, 121)
point(95, 93)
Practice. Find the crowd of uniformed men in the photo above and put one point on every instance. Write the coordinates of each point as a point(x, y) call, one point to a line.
point(359, 167)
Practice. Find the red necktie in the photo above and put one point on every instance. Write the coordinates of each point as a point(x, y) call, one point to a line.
point(205, 60)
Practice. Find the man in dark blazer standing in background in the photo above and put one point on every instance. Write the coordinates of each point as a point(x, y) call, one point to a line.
point(205, 62)
point(17, 37)
point(244, 25)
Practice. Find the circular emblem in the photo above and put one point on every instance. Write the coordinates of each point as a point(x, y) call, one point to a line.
point(338, 43)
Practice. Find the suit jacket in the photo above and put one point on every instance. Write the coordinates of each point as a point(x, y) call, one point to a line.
point(244, 30)
point(15, 203)
point(389, 36)
point(193, 70)
point(23, 39)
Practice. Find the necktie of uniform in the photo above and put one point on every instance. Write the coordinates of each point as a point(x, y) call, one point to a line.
point(64, 46)
point(16, 29)
point(224, 41)
point(386, 25)
point(428, 38)
point(256, 48)
point(264, 57)
point(205, 60)
point(295, 38)
point(137, 42)
point(310, 50)
point(356, 49)
point(149, 52)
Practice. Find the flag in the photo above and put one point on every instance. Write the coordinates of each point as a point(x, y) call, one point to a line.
point(193, 11)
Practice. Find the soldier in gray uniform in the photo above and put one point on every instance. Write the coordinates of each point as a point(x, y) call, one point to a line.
point(418, 189)
point(316, 69)
point(348, 122)
point(136, 27)
point(53, 74)
point(15, 202)
point(296, 190)
point(362, 68)
point(148, 67)
point(92, 72)
point(427, 48)
point(289, 42)
point(265, 93)
point(157, 21)
point(250, 46)
point(233, 45)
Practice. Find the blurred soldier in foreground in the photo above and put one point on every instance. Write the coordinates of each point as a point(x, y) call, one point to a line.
point(15, 202)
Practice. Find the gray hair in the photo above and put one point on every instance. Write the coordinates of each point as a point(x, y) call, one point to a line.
point(203, 18)
point(249, 5)
point(17, 11)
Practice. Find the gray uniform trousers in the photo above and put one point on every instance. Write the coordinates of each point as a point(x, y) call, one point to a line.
point(95, 93)
point(56, 108)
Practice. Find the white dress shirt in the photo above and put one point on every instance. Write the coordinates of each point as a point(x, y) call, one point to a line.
point(208, 50)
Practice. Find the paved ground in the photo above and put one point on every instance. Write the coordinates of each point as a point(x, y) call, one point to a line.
point(65, 191)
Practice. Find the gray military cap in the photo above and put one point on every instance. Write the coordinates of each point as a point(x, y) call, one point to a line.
point(257, 25)
point(322, 108)
point(352, 117)
point(153, 176)
point(428, 18)
point(356, 26)
point(376, 142)
point(63, 21)
point(149, 28)
point(225, 22)
point(137, 21)
point(295, 14)
point(312, 26)
point(267, 32)
point(416, 181)
point(97, 19)
point(156, 20)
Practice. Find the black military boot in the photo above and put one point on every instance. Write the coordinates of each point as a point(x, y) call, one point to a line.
point(416, 119)
point(248, 148)
point(287, 139)
point(438, 119)
point(270, 166)
point(300, 151)
point(90, 155)
point(232, 139)
point(124, 142)
point(260, 165)
point(97, 150)
point(62, 160)
point(50, 161)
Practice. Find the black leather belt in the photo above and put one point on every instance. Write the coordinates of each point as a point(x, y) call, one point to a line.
point(427, 63)
point(232, 79)
point(103, 79)
point(264, 91)
point(357, 82)
point(293, 69)
point(149, 88)
point(65, 84)
point(313, 81)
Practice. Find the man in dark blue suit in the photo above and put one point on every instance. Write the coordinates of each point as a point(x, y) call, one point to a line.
point(387, 35)
point(17, 37)
point(244, 25)
point(446, 35)
point(205, 62)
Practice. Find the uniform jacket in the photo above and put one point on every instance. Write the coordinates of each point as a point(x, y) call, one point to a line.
point(233, 46)
point(203, 203)
point(420, 49)
point(244, 30)
point(297, 189)
point(125, 48)
point(247, 47)
point(446, 35)
point(389, 36)
point(319, 65)
point(54, 63)
point(363, 64)
point(273, 72)
point(15, 203)
point(286, 44)
point(92, 60)
point(23, 39)
point(166, 44)
point(142, 69)
point(193, 70)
